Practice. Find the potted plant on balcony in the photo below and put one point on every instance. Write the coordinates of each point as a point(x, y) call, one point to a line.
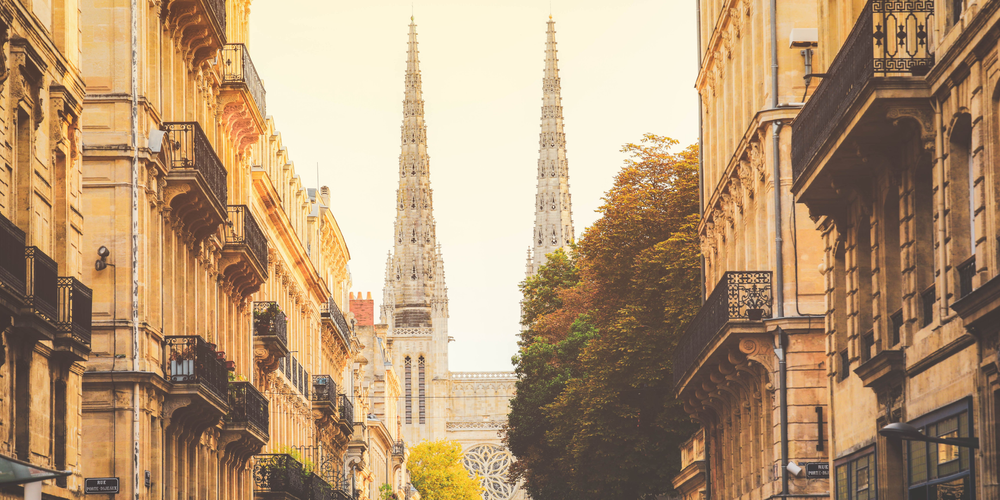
point(385, 493)
point(263, 321)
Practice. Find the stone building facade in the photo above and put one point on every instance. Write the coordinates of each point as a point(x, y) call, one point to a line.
point(894, 154)
point(44, 304)
point(750, 366)
point(434, 403)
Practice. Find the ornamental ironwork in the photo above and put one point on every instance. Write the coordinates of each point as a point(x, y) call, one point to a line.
point(490, 462)
point(270, 321)
point(346, 409)
point(324, 389)
point(191, 150)
point(12, 262)
point(242, 229)
point(41, 295)
point(191, 360)
point(247, 406)
point(900, 35)
point(332, 311)
point(279, 473)
point(74, 310)
point(238, 68)
point(739, 296)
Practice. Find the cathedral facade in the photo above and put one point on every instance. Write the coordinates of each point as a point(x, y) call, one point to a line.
point(437, 403)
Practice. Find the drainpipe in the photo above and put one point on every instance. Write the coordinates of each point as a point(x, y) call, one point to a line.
point(779, 351)
point(779, 275)
point(701, 154)
point(136, 413)
point(941, 291)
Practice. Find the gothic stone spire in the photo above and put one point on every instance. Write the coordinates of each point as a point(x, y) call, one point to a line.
point(414, 269)
point(553, 206)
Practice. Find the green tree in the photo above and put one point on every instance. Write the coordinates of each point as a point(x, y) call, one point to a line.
point(606, 424)
point(437, 472)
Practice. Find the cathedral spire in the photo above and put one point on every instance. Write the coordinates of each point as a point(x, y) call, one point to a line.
point(553, 206)
point(414, 274)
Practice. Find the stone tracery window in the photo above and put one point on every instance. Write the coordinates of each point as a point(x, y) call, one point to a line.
point(490, 462)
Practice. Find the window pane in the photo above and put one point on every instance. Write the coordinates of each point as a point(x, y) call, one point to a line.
point(918, 462)
point(842, 487)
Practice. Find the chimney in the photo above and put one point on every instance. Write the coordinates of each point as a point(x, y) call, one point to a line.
point(363, 309)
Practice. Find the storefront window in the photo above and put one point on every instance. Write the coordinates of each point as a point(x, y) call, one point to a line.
point(941, 471)
point(856, 477)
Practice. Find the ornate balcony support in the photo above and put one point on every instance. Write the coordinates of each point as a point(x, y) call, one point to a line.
point(244, 258)
point(199, 27)
point(270, 338)
point(199, 393)
point(196, 189)
point(243, 98)
point(73, 322)
point(248, 422)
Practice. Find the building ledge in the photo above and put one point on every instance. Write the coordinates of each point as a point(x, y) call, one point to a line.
point(883, 370)
point(980, 309)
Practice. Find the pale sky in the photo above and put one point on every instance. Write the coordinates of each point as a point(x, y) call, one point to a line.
point(334, 69)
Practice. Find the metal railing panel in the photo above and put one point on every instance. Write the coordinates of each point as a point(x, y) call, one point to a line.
point(190, 360)
point(41, 283)
point(192, 150)
point(238, 68)
point(242, 229)
point(75, 309)
point(247, 406)
point(13, 267)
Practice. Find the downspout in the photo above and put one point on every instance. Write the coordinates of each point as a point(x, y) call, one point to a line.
point(701, 154)
point(779, 351)
point(136, 414)
point(940, 202)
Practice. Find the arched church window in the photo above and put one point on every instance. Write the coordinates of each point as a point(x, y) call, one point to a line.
point(408, 383)
point(421, 394)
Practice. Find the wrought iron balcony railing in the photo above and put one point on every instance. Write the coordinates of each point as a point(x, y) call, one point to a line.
point(41, 295)
point(331, 311)
point(318, 488)
point(191, 360)
point(399, 447)
point(248, 407)
point(279, 473)
point(238, 69)
point(296, 374)
point(12, 262)
point(966, 272)
point(739, 296)
point(346, 410)
point(242, 229)
point(890, 38)
point(270, 321)
point(74, 311)
point(324, 389)
point(193, 151)
point(217, 8)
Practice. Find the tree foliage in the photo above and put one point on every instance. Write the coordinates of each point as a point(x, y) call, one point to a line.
point(437, 473)
point(595, 414)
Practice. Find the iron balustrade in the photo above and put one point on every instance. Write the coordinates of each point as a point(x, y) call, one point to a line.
point(242, 229)
point(279, 473)
point(75, 309)
point(399, 447)
point(41, 296)
point(13, 266)
point(296, 374)
point(739, 296)
point(890, 38)
point(346, 409)
point(966, 271)
point(217, 8)
point(327, 465)
point(190, 360)
point(317, 488)
point(238, 68)
point(324, 389)
point(270, 321)
point(247, 406)
point(331, 310)
point(193, 151)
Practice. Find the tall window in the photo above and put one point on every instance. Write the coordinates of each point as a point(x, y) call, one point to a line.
point(420, 390)
point(941, 471)
point(856, 476)
point(408, 377)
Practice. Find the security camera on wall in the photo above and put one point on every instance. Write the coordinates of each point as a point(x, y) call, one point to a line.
point(794, 468)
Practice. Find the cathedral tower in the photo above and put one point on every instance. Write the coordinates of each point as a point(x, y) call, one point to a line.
point(553, 206)
point(415, 300)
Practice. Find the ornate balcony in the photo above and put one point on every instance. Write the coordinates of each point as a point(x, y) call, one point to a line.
point(332, 317)
point(248, 420)
point(38, 316)
point(73, 321)
point(346, 415)
point(278, 476)
point(244, 258)
point(738, 298)
point(270, 337)
point(196, 182)
point(318, 488)
point(243, 98)
point(198, 25)
point(199, 381)
point(12, 271)
point(324, 400)
point(875, 81)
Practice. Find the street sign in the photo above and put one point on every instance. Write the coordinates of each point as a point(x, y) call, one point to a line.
point(818, 470)
point(100, 485)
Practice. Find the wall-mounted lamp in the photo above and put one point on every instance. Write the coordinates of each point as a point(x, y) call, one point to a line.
point(102, 263)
